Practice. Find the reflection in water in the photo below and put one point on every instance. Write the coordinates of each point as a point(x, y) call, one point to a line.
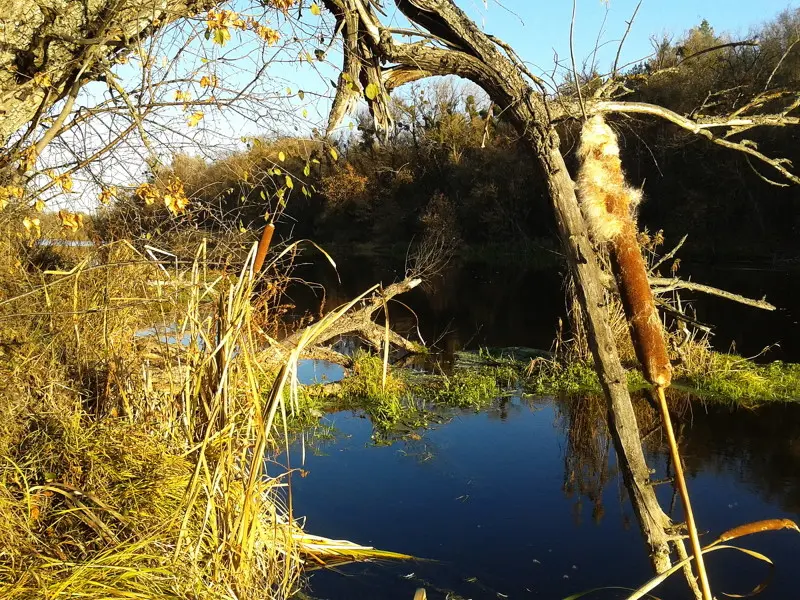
point(500, 498)
point(473, 305)
point(587, 469)
point(492, 498)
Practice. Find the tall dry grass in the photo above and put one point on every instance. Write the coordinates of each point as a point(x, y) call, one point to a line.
point(133, 467)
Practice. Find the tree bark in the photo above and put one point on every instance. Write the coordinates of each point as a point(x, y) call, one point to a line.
point(502, 78)
point(49, 48)
point(591, 295)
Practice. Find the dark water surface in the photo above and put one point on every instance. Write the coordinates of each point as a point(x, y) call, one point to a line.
point(504, 504)
point(473, 305)
point(521, 501)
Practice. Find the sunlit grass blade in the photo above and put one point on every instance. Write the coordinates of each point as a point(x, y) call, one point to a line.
point(660, 578)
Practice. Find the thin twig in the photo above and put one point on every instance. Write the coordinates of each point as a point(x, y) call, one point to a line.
point(572, 58)
point(624, 36)
point(780, 62)
point(668, 255)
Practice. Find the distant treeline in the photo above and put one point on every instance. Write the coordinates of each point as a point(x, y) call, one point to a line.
point(454, 168)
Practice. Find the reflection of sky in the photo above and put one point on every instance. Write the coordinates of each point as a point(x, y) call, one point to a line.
point(318, 371)
point(485, 499)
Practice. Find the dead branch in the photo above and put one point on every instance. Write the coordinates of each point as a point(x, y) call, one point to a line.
point(629, 24)
point(715, 48)
point(668, 284)
point(703, 129)
point(359, 322)
point(667, 256)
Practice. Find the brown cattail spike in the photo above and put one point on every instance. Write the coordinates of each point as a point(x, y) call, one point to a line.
point(609, 205)
point(263, 247)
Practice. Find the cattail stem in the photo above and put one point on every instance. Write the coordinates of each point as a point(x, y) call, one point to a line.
point(263, 247)
point(608, 204)
point(684, 492)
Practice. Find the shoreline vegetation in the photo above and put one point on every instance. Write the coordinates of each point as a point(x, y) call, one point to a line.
point(149, 365)
point(129, 453)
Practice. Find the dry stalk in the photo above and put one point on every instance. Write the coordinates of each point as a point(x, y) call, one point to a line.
point(609, 204)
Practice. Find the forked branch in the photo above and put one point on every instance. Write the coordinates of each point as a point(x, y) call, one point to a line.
point(703, 129)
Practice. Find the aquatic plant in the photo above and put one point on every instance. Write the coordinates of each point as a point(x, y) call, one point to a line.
point(609, 206)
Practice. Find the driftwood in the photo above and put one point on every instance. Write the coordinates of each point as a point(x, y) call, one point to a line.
point(668, 284)
point(359, 323)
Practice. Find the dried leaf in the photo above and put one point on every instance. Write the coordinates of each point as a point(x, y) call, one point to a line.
point(194, 119)
point(70, 221)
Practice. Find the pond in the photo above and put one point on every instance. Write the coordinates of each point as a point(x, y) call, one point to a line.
point(471, 305)
point(520, 501)
point(505, 504)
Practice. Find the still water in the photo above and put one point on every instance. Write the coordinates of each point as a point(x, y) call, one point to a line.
point(505, 504)
point(472, 305)
point(522, 501)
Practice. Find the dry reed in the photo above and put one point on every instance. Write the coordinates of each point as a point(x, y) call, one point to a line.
point(609, 205)
point(131, 466)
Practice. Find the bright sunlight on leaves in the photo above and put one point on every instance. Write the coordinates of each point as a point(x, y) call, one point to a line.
point(70, 221)
point(194, 119)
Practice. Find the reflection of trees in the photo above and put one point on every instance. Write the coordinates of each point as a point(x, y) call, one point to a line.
point(760, 447)
point(587, 456)
point(466, 306)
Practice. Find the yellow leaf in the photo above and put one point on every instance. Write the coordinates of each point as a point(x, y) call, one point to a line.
point(265, 33)
point(28, 158)
point(372, 91)
point(42, 80)
point(315, 9)
point(221, 36)
point(175, 198)
point(33, 225)
point(281, 156)
point(71, 221)
point(106, 194)
point(8, 193)
point(38, 205)
point(65, 181)
point(334, 154)
point(289, 182)
point(193, 120)
point(147, 193)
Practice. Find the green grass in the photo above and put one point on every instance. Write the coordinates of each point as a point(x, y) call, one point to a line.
point(732, 379)
point(723, 378)
point(474, 389)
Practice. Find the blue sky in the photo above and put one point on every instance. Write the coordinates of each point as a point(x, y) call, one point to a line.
point(536, 27)
point(539, 29)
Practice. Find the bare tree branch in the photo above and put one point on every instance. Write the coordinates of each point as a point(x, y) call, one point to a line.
point(667, 284)
point(703, 129)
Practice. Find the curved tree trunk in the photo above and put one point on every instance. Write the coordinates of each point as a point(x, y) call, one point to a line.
point(501, 76)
